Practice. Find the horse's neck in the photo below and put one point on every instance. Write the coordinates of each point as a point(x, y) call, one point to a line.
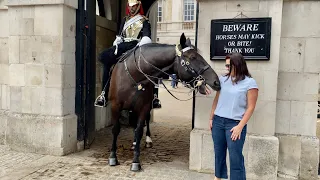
point(154, 59)
point(162, 56)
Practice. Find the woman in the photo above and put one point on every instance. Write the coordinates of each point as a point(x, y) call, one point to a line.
point(231, 109)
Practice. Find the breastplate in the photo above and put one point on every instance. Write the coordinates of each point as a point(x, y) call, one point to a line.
point(134, 29)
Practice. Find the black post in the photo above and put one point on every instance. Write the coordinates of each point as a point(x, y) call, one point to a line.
point(79, 104)
point(196, 44)
point(119, 14)
point(90, 71)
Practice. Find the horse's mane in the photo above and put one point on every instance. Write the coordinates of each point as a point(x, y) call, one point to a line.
point(166, 45)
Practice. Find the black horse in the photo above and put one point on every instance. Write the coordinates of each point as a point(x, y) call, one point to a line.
point(134, 76)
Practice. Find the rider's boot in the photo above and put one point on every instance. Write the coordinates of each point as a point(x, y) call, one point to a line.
point(156, 103)
point(101, 100)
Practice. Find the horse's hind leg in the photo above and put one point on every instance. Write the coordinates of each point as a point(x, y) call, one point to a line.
point(148, 134)
point(113, 160)
point(133, 119)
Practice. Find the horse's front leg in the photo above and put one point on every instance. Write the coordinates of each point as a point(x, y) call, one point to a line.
point(113, 160)
point(138, 136)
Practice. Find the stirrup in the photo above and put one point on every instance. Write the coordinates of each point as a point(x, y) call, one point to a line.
point(101, 100)
point(156, 102)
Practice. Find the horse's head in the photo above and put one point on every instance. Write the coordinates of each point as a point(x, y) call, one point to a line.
point(192, 67)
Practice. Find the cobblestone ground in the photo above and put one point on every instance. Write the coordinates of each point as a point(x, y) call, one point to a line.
point(167, 159)
point(170, 144)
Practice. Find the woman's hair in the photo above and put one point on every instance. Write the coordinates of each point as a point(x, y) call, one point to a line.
point(237, 63)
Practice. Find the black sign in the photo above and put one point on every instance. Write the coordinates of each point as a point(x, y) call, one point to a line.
point(248, 36)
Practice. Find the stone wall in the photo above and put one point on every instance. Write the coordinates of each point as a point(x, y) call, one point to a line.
point(264, 152)
point(297, 92)
point(37, 62)
point(4, 69)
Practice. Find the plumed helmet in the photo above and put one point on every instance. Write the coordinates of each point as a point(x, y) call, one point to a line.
point(133, 2)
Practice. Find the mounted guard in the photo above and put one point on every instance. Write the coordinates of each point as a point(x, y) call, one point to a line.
point(135, 30)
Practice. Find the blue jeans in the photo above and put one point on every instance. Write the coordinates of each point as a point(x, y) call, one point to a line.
point(174, 80)
point(221, 136)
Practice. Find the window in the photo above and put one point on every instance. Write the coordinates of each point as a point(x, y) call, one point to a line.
point(188, 10)
point(160, 10)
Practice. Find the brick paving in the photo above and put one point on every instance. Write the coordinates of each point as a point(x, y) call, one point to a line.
point(170, 143)
point(167, 159)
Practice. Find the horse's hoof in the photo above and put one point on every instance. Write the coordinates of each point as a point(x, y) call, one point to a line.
point(113, 162)
point(135, 167)
point(148, 145)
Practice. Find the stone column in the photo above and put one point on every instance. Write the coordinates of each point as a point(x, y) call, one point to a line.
point(167, 10)
point(42, 76)
point(177, 15)
point(177, 10)
point(4, 69)
point(298, 90)
point(261, 146)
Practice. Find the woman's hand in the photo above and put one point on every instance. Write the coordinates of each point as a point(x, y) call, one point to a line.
point(210, 124)
point(236, 132)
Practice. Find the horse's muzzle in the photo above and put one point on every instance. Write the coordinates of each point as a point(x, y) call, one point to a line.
point(216, 85)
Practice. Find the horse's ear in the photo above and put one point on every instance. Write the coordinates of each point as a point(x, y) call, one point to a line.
point(183, 40)
point(188, 42)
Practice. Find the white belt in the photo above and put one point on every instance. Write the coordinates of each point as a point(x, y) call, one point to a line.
point(130, 39)
point(125, 40)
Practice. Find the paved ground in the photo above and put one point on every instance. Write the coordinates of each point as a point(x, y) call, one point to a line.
point(168, 159)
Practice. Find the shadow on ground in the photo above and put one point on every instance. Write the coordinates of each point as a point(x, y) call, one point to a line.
point(169, 144)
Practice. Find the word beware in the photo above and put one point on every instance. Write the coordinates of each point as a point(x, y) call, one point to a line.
point(240, 27)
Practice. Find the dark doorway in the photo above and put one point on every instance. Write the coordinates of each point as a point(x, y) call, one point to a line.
point(85, 69)
point(86, 63)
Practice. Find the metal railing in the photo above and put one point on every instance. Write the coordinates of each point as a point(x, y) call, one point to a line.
point(163, 26)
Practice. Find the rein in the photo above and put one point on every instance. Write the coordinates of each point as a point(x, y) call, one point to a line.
point(193, 85)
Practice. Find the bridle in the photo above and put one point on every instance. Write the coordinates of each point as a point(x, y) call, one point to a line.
point(194, 84)
point(197, 79)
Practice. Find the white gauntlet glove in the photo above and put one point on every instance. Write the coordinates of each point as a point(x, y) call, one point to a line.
point(144, 40)
point(118, 40)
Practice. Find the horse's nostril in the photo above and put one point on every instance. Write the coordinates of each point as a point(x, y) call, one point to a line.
point(216, 83)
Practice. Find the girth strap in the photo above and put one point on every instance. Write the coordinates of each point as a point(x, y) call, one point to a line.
point(135, 98)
